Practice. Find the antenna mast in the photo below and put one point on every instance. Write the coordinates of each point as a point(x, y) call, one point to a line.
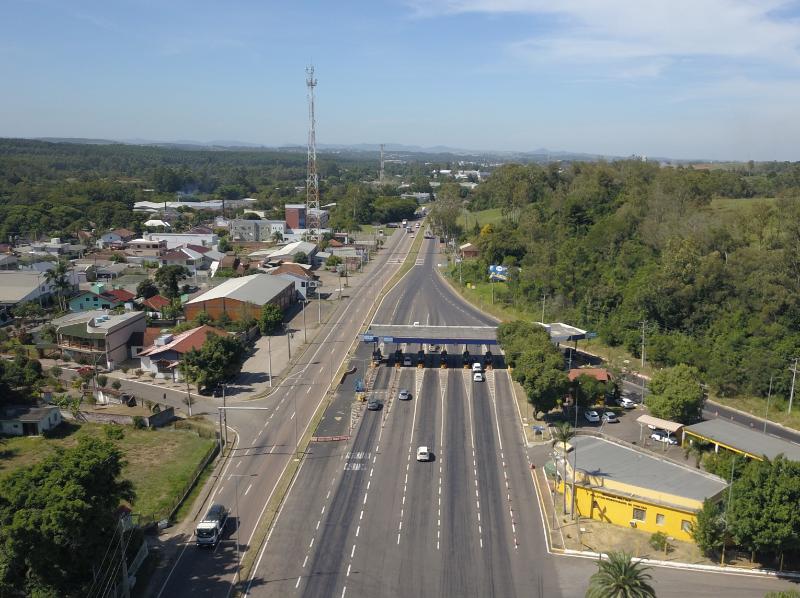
point(312, 179)
point(381, 174)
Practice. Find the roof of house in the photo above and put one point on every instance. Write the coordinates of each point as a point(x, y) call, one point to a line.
point(616, 462)
point(25, 413)
point(258, 289)
point(466, 246)
point(745, 439)
point(120, 294)
point(156, 302)
point(96, 323)
point(294, 248)
point(198, 248)
point(156, 222)
point(15, 285)
point(185, 341)
point(599, 374)
point(294, 270)
point(335, 243)
point(124, 233)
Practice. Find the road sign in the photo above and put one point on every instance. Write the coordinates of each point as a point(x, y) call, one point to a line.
point(368, 338)
point(388, 339)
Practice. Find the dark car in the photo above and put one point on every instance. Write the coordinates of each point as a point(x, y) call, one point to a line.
point(374, 405)
point(217, 391)
point(127, 399)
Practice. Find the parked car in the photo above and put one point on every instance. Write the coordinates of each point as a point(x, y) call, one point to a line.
point(374, 405)
point(662, 436)
point(627, 403)
point(404, 395)
point(591, 416)
point(127, 399)
point(423, 454)
point(610, 417)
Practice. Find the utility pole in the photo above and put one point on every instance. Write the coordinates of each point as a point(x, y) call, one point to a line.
point(225, 408)
point(491, 280)
point(312, 178)
point(288, 340)
point(643, 325)
point(769, 396)
point(126, 590)
point(305, 335)
point(574, 475)
point(188, 397)
point(791, 393)
point(269, 352)
point(544, 298)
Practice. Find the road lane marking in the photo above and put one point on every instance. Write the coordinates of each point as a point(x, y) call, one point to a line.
point(310, 544)
point(297, 585)
point(305, 560)
point(291, 418)
point(353, 551)
point(248, 489)
point(309, 390)
point(348, 570)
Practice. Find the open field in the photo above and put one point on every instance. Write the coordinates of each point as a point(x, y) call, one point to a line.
point(159, 463)
point(490, 216)
point(372, 229)
point(725, 205)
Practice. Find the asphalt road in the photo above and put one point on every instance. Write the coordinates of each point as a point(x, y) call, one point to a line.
point(266, 438)
point(363, 518)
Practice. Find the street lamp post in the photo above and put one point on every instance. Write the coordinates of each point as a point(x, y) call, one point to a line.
point(769, 396)
point(269, 353)
point(305, 336)
point(288, 340)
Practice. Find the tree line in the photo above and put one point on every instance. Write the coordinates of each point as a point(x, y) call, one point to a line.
point(612, 245)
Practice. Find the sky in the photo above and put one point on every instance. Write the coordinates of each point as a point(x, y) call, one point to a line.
point(690, 79)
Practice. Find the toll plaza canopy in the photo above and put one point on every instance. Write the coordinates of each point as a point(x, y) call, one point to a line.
point(440, 335)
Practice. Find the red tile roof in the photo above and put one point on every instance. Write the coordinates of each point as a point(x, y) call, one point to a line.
point(596, 373)
point(120, 294)
point(335, 243)
point(185, 341)
point(156, 302)
point(199, 248)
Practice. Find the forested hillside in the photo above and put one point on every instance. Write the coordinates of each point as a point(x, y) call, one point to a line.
point(717, 281)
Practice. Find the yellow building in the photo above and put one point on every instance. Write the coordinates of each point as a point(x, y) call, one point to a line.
point(627, 486)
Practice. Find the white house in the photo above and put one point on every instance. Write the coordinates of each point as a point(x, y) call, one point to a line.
point(178, 239)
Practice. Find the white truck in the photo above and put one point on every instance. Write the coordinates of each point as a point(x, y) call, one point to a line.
point(209, 530)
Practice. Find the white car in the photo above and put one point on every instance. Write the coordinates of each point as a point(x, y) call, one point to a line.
point(404, 395)
point(423, 454)
point(477, 367)
point(627, 403)
point(610, 417)
point(664, 437)
point(477, 377)
point(591, 416)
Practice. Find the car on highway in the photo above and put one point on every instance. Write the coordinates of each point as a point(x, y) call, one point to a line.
point(404, 395)
point(627, 403)
point(662, 436)
point(407, 360)
point(610, 417)
point(374, 405)
point(423, 454)
point(591, 416)
point(477, 377)
point(209, 531)
point(477, 367)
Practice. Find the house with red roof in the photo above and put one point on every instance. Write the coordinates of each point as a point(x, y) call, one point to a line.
point(599, 374)
point(155, 305)
point(164, 355)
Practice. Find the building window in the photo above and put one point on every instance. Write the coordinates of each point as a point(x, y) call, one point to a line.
point(686, 526)
point(639, 514)
point(659, 519)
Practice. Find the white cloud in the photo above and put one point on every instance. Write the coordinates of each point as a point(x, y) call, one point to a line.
point(644, 36)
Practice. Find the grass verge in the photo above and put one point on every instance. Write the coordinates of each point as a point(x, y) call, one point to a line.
point(159, 463)
point(484, 217)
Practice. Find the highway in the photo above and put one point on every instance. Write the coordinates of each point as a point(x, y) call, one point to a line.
point(363, 518)
point(266, 438)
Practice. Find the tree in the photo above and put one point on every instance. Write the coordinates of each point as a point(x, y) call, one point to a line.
point(224, 245)
point(168, 279)
point(29, 310)
point(58, 277)
point(676, 394)
point(277, 236)
point(217, 361)
point(619, 577)
point(300, 258)
point(333, 261)
point(146, 289)
point(57, 516)
point(709, 530)
point(271, 318)
point(562, 434)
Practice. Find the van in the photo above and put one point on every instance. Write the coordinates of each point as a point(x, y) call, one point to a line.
point(477, 367)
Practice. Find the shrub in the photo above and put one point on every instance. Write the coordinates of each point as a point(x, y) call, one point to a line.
point(55, 372)
point(116, 384)
point(138, 422)
point(115, 432)
point(125, 370)
point(138, 372)
point(102, 380)
point(660, 542)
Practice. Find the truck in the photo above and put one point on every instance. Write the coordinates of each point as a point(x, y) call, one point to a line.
point(209, 530)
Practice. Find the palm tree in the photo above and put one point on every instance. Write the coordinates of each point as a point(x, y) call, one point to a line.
point(620, 577)
point(57, 276)
point(562, 435)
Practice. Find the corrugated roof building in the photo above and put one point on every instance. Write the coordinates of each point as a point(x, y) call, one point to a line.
point(242, 298)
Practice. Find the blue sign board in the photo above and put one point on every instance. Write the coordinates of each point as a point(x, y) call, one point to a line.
point(388, 339)
point(368, 338)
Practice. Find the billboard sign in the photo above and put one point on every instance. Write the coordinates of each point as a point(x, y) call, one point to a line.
point(498, 273)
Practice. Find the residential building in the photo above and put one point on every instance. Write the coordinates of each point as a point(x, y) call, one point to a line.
point(621, 484)
point(242, 298)
point(317, 218)
point(183, 256)
point(116, 237)
point(287, 253)
point(174, 240)
point(740, 440)
point(155, 305)
point(599, 374)
point(20, 286)
point(100, 299)
point(164, 355)
point(28, 420)
point(257, 230)
point(305, 282)
point(146, 248)
point(98, 336)
point(468, 250)
point(8, 261)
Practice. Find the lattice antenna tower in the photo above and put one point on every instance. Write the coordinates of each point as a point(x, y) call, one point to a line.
point(380, 178)
point(312, 178)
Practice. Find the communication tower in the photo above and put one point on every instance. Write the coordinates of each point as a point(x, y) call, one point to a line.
point(312, 178)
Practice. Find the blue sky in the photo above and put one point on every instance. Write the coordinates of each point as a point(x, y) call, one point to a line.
point(715, 79)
